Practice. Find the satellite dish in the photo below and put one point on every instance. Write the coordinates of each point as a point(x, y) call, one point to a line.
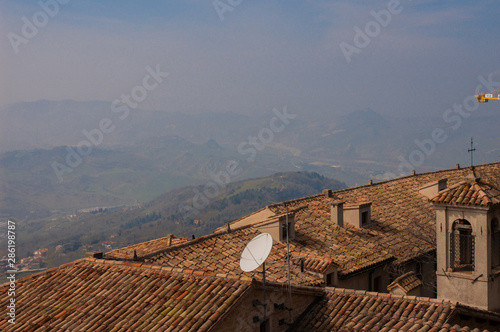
point(256, 252)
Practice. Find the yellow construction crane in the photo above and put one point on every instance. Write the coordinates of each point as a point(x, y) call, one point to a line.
point(484, 97)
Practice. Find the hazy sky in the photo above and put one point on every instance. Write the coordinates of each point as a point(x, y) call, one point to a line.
point(250, 56)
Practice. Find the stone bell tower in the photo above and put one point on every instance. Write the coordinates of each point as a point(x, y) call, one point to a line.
point(468, 243)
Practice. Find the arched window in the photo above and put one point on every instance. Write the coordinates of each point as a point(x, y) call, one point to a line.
point(462, 245)
point(495, 243)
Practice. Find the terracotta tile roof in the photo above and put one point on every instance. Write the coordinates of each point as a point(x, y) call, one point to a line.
point(315, 235)
point(146, 248)
point(103, 295)
point(407, 282)
point(320, 245)
point(349, 310)
point(474, 193)
point(402, 228)
point(314, 264)
point(403, 220)
point(219, 254)
point(98, 295)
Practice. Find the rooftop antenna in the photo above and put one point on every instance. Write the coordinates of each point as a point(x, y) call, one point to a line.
point(288, 261)
point(471, 150)
point(255, 255)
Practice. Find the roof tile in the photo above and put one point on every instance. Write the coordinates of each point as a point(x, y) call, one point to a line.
point(93, 296)
point(468, 192)
point(342, 310)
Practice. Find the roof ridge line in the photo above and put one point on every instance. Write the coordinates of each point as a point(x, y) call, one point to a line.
point(299, 287)
point(221, 228)
point(185, 244)
point(414, 175)
point(300, 255)
point(461, 305)
point(492, 186)
point(381, 182)
point(260, 222)
point(165, 269)
point(296, 200)
point(171, 236)
point(340, 290)
point(39, 273)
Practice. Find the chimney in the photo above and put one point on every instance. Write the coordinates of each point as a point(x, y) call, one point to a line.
point(458, 166)
point(442, 184)
point(337, 212)
point(358, 215)
point(327, 193)
point(370, 182)
point(277, 227)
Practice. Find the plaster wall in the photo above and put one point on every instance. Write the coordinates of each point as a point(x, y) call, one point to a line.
point(362, 281)
point(240, 317)
point(480, 287)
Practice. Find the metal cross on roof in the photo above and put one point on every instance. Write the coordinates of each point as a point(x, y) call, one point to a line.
point(471, 150)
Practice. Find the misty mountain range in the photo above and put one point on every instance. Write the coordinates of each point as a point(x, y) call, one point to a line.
point(152, 152)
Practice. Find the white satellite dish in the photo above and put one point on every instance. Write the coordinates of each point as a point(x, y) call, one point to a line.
point(256, 252)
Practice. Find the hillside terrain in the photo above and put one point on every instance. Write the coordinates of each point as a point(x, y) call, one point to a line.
point(153, 152)
point(71, 236)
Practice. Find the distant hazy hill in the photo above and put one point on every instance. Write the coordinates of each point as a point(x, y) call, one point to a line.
point(363, 140)
point(47, 124)
point(161, 216)
point(240, 198)
point(152, 152)
point(30, 189)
